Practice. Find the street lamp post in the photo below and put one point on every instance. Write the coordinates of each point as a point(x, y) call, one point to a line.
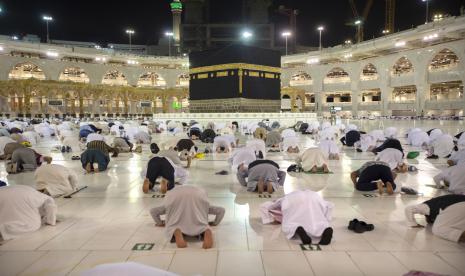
point(320, 29)
point(47, 19)
point(427, 11)
point(130, 32)
point(286, 35)
point(169, 35)
point(358, 23)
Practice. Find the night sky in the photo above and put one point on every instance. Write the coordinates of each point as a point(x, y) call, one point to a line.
point(105, 21)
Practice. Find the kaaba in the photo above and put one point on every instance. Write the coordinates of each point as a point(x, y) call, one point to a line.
point(236, 78)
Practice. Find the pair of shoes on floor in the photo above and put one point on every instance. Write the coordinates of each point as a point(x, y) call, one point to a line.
point(360, 226)
point(325, 239)
point(432, 157)
point(65, 149)
point(75, 158)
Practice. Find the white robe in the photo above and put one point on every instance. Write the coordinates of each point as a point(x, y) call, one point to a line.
point(391, 156)
point(434, 134)
point(240, 156)
point(443, 145)
point(23, 209)
point(257, 145)
point(288, 133)
point(3, 141)
point(32, 137)
point(125, 269)
point(417, 138)
point(312, 157)
point(461, 142)
point(94, 137)
point(366, 142)
point(328, 146)
point(390, 132)
point(221, 141)
point(290, 141)
point(455, 176)
point(56, 179)
point(458, 157)
point(300, 208)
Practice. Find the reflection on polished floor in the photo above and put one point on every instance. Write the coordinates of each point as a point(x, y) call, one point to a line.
point(103, 223)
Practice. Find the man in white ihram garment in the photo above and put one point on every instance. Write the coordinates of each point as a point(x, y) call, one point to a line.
point(243, 156)
point(23, 210)
point(55, 180)
point(453, 178)
point(312, 160)
point(442, 146)
point(186, 210)
point(394, 158)
point(303, 214)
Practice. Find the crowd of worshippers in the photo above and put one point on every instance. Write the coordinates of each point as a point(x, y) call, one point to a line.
point(185, 210)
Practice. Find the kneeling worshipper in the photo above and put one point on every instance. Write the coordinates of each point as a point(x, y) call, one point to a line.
point(9, 149)
point(94, 137)
point(418, 138)
point(222, 144)
point(55, 180)
point(91, 156)
point(208, 135)
point(313, 160)
point(261, 174)
point(367, 142)
point(456, 158)
point(303, 214)
point(165, 168)
point(259, 147)
point(122, 144)
point(374, 175)
point(23, 210)
point(453, 178)
point(446, 213)
point(288, 132)
point(329, 148)
point(26, 159)
point(352, 136)
point(260, 133)
point(32, 137)
point(291, 144)
point(389, 143)
point(394, 158)
point(4, 140)
point(142, 137)
point(103, 147)
point(126, 269)
point(441, 147)
point(273, 139)
point(390, 133)
point(187, 145)
point(243, 156)
point(84, 131)
point(171, 154)
point(186, 210)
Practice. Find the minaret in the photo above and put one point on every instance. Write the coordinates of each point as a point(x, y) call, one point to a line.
point(176, 9)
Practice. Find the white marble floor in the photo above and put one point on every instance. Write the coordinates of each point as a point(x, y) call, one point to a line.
point(103, 223)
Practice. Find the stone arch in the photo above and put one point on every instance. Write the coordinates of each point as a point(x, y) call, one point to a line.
point(337, 75)
point(74, 74)
point(114, 77)
point(300, 78)
point(182, 80)
point(151, 79)
point(443, 60)
point(369, 72)
point(402, 66)
point(26, 70)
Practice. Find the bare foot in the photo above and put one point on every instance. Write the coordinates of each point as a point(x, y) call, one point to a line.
point(180, 242)
point(314, 169)
point(88, 168)
point(146, 186)
point(389, 188)
point(48, 159)
point(325, 169)
point(260, 187)
point(269, 188)
point(96, 170)
point(207, 239)
point(163, 186)
point(380, 186)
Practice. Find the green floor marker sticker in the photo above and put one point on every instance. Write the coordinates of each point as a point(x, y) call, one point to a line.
point(143, 246)
point(310, 247)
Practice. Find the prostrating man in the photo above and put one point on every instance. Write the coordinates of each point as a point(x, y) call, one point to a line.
point(446, 213)
point(351, 137)
point(453, 178)
point(26, 159)
point(389, 143)
point(165, 168)
point(186, 210)
point(243, 156)
point(222, 144)
point(171, 154)
point(394, 158)
point(55, 180)
point(374, 175)
point(313, 160)
point(456, 157)
point(103, 147)
point(23, 210)
point(273, 139)
point(92, 156)
point(122, 144)
point(442, 146)
point(9, 149)
point(261, 174)
point(291, 144)
point(303, 214)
